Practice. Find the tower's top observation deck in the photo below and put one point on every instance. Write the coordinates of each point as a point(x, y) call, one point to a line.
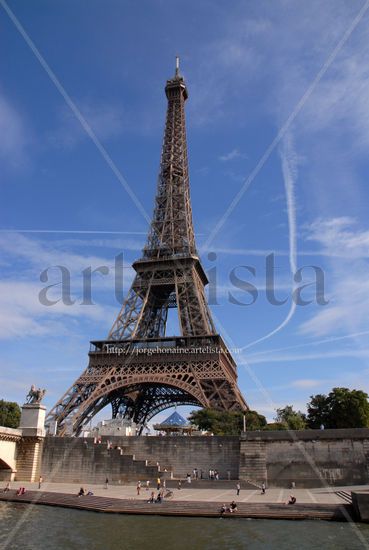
point(175, 83)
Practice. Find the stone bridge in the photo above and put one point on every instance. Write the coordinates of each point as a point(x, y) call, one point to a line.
point(21, 449)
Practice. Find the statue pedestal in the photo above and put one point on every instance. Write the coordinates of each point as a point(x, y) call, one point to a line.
point(29, 448)
point(32, 422)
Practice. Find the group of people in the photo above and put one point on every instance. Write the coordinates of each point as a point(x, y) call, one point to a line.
point(160, 496)
point(213, 475)
point(20, 491)
point(83, 493)
point(161, 485)
point(231, 508)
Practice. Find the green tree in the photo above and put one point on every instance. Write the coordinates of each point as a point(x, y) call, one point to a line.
point(318, 411)
point(226, 422)
point(293, 420)
point(9, 414)
point(254, 421)
point(342, 408)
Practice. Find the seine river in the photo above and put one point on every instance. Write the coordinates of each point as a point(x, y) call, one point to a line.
point(27, 527)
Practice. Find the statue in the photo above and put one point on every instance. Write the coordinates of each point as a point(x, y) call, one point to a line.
point(35, 395)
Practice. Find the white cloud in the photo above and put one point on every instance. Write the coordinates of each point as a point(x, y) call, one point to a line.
point(348, 280)
point(230, 156)
point(13, 134)
point(21, 311)
point(292, 357)
point(22, 314)
point(339, 238)
point(41, 255)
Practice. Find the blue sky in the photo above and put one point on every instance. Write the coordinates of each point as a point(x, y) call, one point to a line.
point(298, 71)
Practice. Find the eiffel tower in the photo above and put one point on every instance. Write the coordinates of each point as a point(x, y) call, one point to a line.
point(138, 369)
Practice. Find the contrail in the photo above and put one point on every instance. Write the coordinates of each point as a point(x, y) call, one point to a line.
point(289, 170)
point(312, 343)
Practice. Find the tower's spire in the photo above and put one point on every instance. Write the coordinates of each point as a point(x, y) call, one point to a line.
point(171, 231)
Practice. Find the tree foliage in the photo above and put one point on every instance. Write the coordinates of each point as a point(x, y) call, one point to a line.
point(341, 408)
point(226, 422)
point(291, 419)
point(9, 414)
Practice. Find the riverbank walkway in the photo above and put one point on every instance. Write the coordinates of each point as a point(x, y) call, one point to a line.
point(187, 508)
point(325, 495)
point(328, 504)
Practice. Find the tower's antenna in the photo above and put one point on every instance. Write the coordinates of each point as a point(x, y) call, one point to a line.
point(177, 65)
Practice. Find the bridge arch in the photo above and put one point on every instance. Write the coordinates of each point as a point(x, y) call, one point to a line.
point(7, 458)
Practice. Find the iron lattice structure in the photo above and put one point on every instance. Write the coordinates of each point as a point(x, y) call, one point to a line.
point(138, 370)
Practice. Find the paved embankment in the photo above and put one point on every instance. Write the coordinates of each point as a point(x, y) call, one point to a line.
point(170, 507)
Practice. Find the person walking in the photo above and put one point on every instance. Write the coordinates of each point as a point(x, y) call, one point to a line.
point(147, 485)
point(238, 488)
point(106, 483)
point(263, 488)
point(40, 480)
point(138, 488)
point(158, 484)
point(179, 485)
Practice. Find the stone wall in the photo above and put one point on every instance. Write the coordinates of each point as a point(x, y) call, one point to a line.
point(310, 458)
point(79, 460)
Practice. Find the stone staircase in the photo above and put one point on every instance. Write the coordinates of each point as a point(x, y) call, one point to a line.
point(85, 462)
point(345, 496)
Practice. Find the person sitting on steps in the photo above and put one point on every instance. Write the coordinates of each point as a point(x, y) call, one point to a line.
point(233, 507)
point(292, 500)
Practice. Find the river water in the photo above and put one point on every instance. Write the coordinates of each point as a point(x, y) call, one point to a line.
point(26, 527)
